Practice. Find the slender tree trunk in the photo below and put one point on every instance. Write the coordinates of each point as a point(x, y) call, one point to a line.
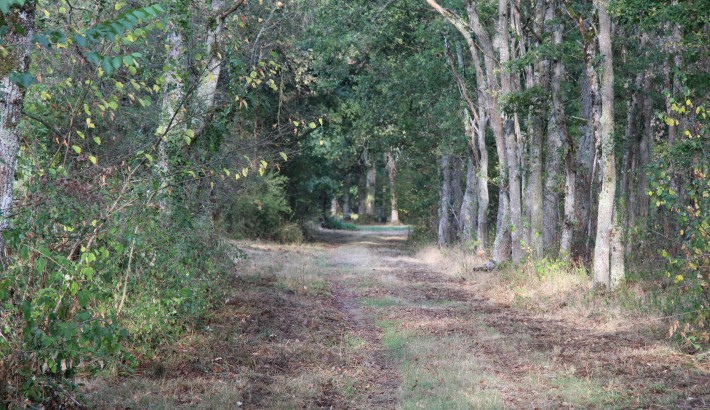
point(362, 194)
point(483, 199)
point(457, 196)
point(467, 215)
point(511, 146)
point(346, 198)
point(445, 201)
point(371, 187)
point(18, 39)
point(172, 124)
point(392, 174)
point(595, 143)
point(334, 206)
point(607, 222)
point(645, 147)
point(560, 124)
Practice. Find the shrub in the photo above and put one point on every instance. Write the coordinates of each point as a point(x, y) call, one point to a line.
point(260, 208)
point(290, 233)
point(333, 223)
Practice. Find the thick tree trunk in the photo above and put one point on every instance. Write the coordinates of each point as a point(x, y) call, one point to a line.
point(371, 188)
point(209, 77)
point(445, 201)
point(392, 174)
point(607, 223)
point(361, 194)
point(346, 198)
point(18, 39)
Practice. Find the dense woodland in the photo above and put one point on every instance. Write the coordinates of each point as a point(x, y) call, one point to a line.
point(136, 134)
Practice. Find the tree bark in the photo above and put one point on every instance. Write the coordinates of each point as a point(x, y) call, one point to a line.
point(18, 39)
point(456, 195)
point(607, 223)
point(209, 77)
point(346, 198)
point(511, 146)
point(444, 232)
point(467, 214)
point(370, 187)
point(392, 174)
point(558, 113)
point(483, 199)
point(361, 194)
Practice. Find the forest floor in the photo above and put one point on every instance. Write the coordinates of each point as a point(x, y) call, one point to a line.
point(357, 320)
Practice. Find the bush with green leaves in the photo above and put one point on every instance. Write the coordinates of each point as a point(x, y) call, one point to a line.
point(259, 208)
point(679, 184)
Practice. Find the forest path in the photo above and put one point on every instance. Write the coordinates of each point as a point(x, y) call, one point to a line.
point(356, 320)
point(454, 349)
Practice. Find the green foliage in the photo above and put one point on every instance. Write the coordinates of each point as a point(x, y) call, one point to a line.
point(260, 209)
point(680, 188)
point(335, 223)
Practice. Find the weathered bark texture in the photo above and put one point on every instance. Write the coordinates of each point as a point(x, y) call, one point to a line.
point(18, 40)
point(456, 195)
point(605, 219)
point(392, 174)
point(511, 146)
point(483, 199)
point(361, 194)
point(467, 214)
point(209, 77)
point(370, 186)
point(346, 198)
point(444, 232)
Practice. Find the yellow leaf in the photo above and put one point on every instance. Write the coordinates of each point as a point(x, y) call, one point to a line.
point(92, 159)
point(678, 278)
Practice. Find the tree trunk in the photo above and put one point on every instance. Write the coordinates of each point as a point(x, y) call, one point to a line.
point(467, 215)
point(558, 122)
point(361, 195)
point(511, 146)
point(606, 219)
point(172, 124)
point(209, 77)
point(457, 196)
point(392, 173)
point(371, 187)
point(346, 198)
point(20, 24)
point(645, 147)
point(445, 201)
point(483, 199)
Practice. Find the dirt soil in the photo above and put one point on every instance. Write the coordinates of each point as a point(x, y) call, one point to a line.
point(331, 340)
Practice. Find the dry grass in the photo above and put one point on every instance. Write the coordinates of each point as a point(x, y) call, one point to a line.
point(299, 332)
point(551, 289)
point(279, 341)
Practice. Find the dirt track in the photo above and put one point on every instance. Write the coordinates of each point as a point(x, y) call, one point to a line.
point(358, 322)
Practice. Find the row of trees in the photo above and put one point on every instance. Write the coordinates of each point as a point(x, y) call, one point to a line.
point(536, 88)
